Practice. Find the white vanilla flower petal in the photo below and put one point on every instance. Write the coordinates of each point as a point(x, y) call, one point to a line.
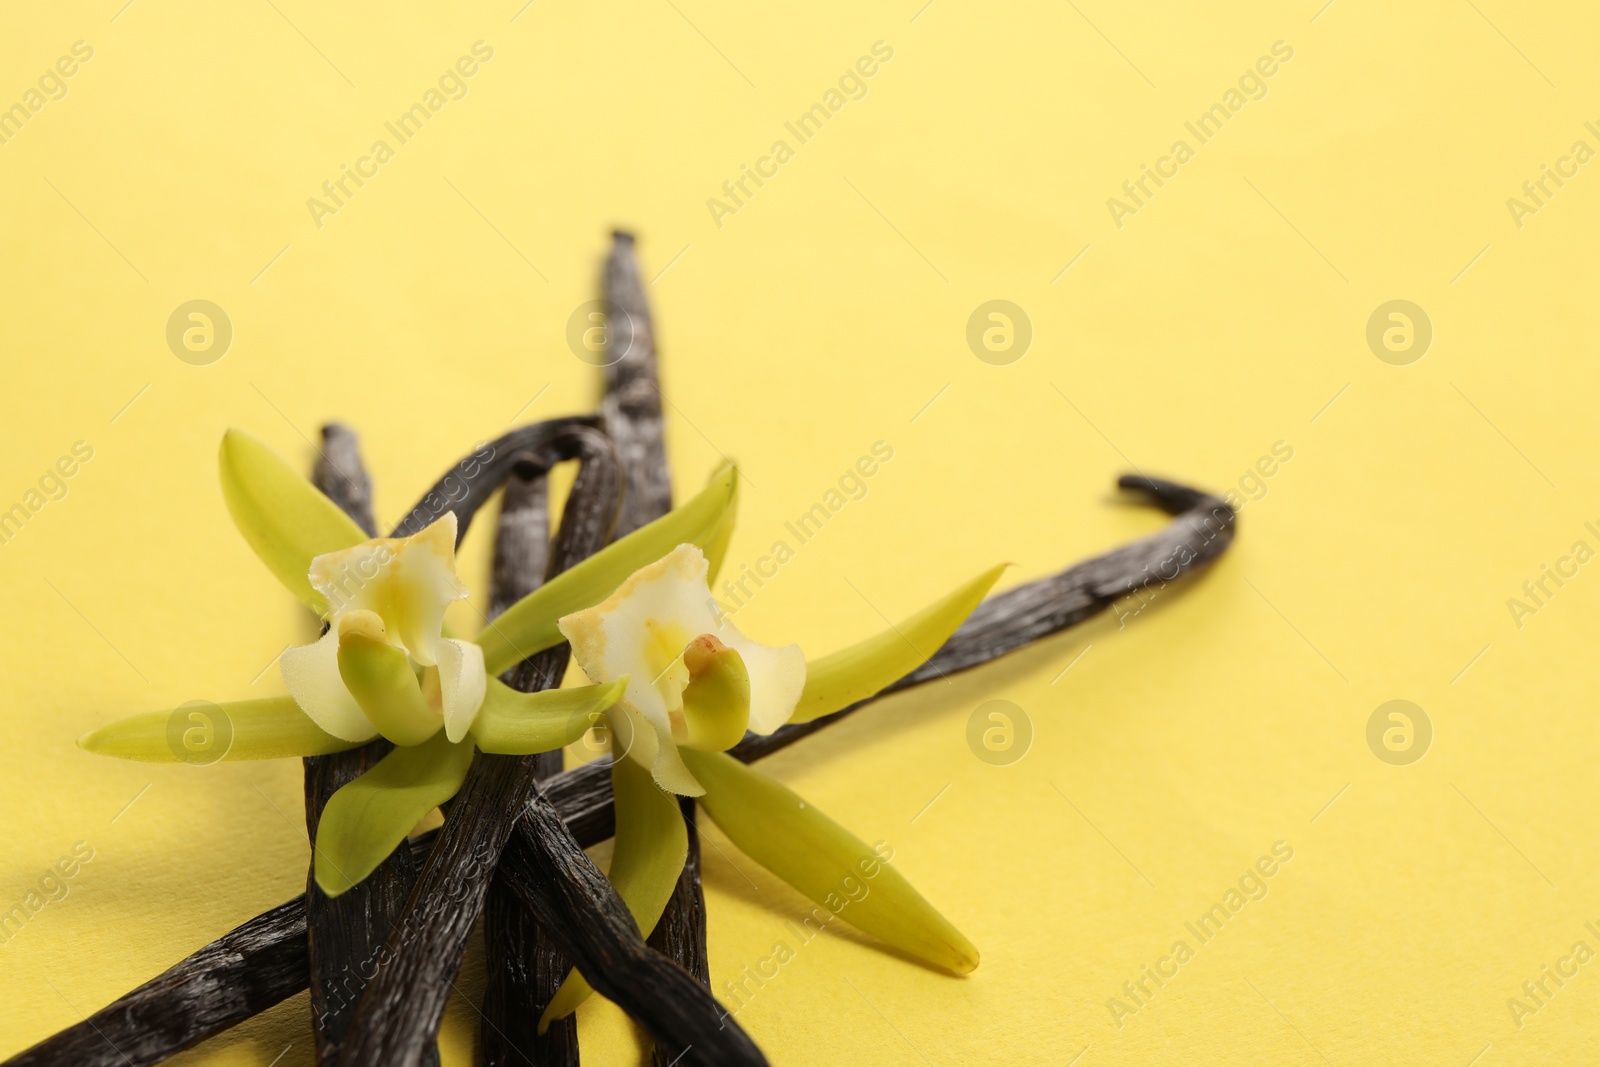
point(641, 631)
point(408, 581)
point(462, 683)
point(638, 738)
point(426, 574)
point(344, 576)
point(311, 673)
point(777, 677)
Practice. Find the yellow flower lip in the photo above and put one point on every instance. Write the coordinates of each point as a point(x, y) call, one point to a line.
point(716, 703)
point(363, 623)
point(380, 678)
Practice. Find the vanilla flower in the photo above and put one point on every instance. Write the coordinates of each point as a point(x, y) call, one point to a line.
point(382, 666)
point(693, 678)
point(693, 685)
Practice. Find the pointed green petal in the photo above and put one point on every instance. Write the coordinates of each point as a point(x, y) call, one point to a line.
point(716, 545)
point(380, 678)
point(520, 724)
point(840, 679)
point(822, 859)
point(652, 843)
point(367, 818)
point(529, 625)
point(285, 519)
point(201, 733)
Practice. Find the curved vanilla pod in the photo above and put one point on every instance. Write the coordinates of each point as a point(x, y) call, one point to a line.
point(400, 1010)
point(631, 408)
point(524, 967)
point(468, 485)
point(1202, 529)
point(344, 934)
point(559, 883)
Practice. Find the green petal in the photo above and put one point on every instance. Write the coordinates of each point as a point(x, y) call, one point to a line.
point(529, 625)
point(201, 733)
point(840, 679)
point(716, 544)
point(520, 724)
point(651, 845)
point(367, 818)
point(380, 678)
point(285, 519)
point(823, 860)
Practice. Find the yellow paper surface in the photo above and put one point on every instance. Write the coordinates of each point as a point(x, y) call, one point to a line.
point(1219, 316)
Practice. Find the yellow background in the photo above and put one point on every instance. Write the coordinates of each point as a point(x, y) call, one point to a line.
point(822, 317)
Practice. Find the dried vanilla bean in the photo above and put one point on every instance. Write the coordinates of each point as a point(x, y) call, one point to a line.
point(204, 994)
point(342, 476)
point(1202, 530)
point(633, 419)
point(400, 1011)
point(343, 934)
point(347, 934)
point(468, 485)
point(524, 967)
point(521, 535)
point(239, 975)
point(560, 885)
point(631, 407)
